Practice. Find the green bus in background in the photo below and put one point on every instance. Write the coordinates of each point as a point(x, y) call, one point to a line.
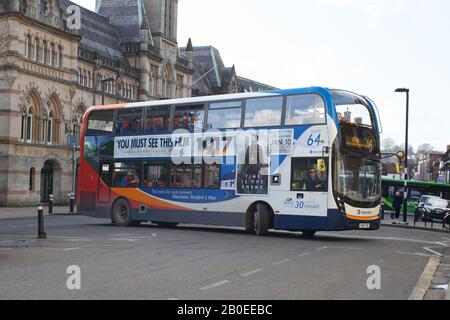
point(416, 190)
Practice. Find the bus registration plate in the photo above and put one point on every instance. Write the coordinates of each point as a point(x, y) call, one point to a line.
point(364, 225)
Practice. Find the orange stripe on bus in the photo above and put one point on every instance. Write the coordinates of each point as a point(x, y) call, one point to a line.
point(363, 218)
point(142, 197)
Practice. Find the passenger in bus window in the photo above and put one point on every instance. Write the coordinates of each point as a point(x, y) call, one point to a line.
point(131, 179)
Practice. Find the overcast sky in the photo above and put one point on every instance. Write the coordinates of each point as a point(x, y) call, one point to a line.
point(371, 47)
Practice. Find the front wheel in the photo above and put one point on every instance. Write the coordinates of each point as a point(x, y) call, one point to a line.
point(121, 214)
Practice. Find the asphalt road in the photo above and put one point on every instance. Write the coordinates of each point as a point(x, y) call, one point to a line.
point(197, 262)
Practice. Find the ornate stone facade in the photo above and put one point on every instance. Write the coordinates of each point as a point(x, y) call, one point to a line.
point(50, 74)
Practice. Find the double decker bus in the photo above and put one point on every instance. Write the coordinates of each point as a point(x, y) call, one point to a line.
point(299, 160)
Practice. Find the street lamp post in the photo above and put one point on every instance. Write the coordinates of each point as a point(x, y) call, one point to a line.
point(405, 202)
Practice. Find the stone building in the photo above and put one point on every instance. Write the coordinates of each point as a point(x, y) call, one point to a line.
point(51, 72)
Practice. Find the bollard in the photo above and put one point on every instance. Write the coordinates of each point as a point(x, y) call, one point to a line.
point(72, 202)
point(51, 198)
point(41, 232)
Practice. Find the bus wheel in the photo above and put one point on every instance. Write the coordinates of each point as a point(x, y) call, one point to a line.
point(121, 213)
point(309, 233)
point(261, 220)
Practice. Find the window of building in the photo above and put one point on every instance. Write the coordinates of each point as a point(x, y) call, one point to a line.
point(305, 109)
point(31, 180)
point(263, 112)
point(29, 135)
point(186, 176)
point(158, 119)
point(309, 174)
point(127, 174)
point(61, 57)
point(224, 115)
point(129, 121)
point(46, 53)
point(100, 122)
point(28, 45)
point(156, 174)
point(212, 176)
point(43, 126)
point(23, 124)
point(50, 128)
point(189, 117)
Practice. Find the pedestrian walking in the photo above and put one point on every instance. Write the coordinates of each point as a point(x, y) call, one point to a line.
point(397, 204)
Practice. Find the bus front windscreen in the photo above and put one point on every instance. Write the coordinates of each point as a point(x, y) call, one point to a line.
point(357, 180)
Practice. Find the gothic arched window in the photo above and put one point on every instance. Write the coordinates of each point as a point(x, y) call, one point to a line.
point(29, 130)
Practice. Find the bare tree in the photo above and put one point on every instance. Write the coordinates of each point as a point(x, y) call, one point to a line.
point(425, 148)
point(387, 145)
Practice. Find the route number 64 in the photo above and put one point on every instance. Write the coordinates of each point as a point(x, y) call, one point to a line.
point(311, 140)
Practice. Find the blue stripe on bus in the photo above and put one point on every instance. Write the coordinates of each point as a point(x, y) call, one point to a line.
point(191, 195)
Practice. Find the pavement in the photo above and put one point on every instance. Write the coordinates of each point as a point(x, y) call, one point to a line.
point(28, 212)
point(216, 263)
point(418, 225)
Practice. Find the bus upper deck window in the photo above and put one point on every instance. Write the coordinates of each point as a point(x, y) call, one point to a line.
point(158, 119)
point(129, 121)
point(100, 122)
point(305, 109)
point(189, 118)
point(262, 112)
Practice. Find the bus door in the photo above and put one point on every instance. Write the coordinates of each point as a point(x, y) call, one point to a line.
point(104, 182)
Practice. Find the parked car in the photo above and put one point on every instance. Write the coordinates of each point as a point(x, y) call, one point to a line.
point(419, 211)
point(436, 209)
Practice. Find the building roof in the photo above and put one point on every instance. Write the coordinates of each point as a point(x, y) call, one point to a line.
point(248, 85)
point(97, 34)
point(126, 16)
point(212, 77)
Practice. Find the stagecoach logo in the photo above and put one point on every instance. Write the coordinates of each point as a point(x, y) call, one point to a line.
point(289, 203)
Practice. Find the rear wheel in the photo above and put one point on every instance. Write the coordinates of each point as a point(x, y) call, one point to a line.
point(261, 220)
point(121, 214)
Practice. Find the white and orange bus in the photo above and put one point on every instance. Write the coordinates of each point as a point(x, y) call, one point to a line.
point(300, 160)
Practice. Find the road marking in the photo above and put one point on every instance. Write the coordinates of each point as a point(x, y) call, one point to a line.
point(322, 248)
point(132, 239)
point(380, 238)
point(442, 244)
point(346, 248)
point(251, 272)
point(304, 254)
point(415, 254)
point(71, 249)
point(214, 285)
point(432, 251)
point(425, 279)
point(123, 239)
point(153, 235)
point(281, 262)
